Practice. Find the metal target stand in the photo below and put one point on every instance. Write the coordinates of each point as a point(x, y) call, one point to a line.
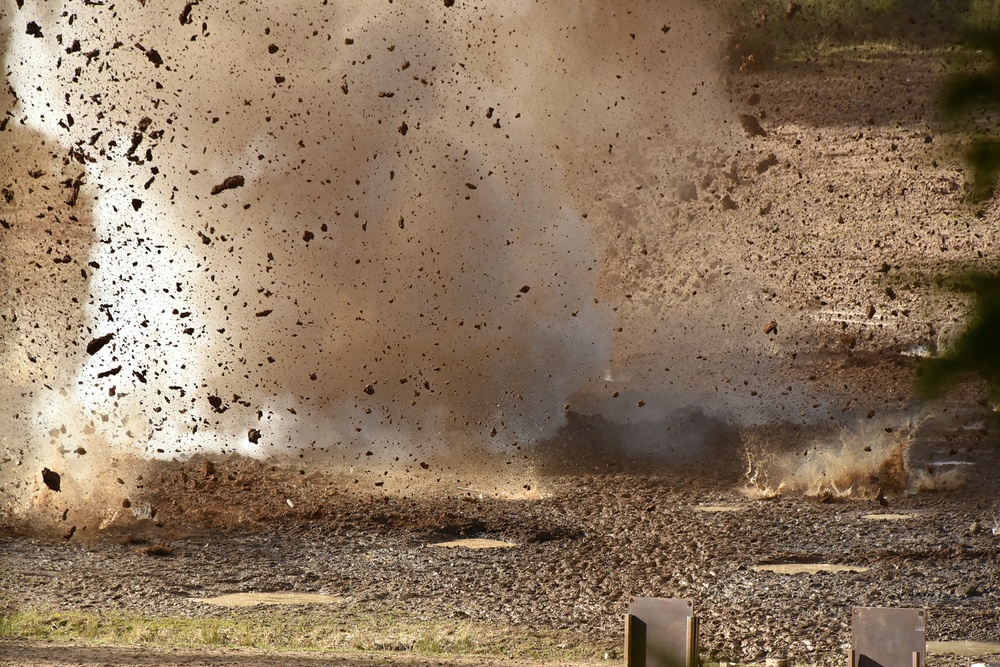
point(661, 632)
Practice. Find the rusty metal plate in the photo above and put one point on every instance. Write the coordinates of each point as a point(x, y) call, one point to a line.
point(886, 637)
point(660, 633)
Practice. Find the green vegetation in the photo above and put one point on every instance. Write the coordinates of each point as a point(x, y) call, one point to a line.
point(977, 350)
point(972, 95)
point(341, 632)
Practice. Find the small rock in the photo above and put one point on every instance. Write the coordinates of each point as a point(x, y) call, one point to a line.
point(228, 184)
point(94, 346)
point(52, 479)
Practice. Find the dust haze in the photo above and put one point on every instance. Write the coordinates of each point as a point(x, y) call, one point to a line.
point(373, 232)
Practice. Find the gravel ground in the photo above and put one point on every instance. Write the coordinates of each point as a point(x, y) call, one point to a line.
point(585, 543)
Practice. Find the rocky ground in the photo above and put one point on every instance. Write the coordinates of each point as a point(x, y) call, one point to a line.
point(587, 540)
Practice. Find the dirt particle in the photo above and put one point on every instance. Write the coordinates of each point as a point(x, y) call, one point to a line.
point(52, 479)
point(94, 346)
point(231, 182)
point(771, 328)
point(34, 30)
point(185, 16)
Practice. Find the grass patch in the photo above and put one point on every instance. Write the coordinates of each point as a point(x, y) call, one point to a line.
point(343, 632)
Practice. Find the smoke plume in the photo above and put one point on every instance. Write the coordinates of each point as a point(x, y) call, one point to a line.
point(324, 228)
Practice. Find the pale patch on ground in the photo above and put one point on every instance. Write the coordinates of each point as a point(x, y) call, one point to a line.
point(806, 568)
point(251, 599)
point(474, 543)
point(965, 648)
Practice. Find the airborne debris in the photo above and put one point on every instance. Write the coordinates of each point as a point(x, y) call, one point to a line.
point(228, 184)
point(52, 479)
point(186, 12)
point(94, 346)
point(154, 57)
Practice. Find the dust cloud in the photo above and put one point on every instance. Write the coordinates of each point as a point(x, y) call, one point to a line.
point(348, 231)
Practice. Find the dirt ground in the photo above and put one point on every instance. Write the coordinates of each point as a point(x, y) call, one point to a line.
point(586, 541)
point(839, 217)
